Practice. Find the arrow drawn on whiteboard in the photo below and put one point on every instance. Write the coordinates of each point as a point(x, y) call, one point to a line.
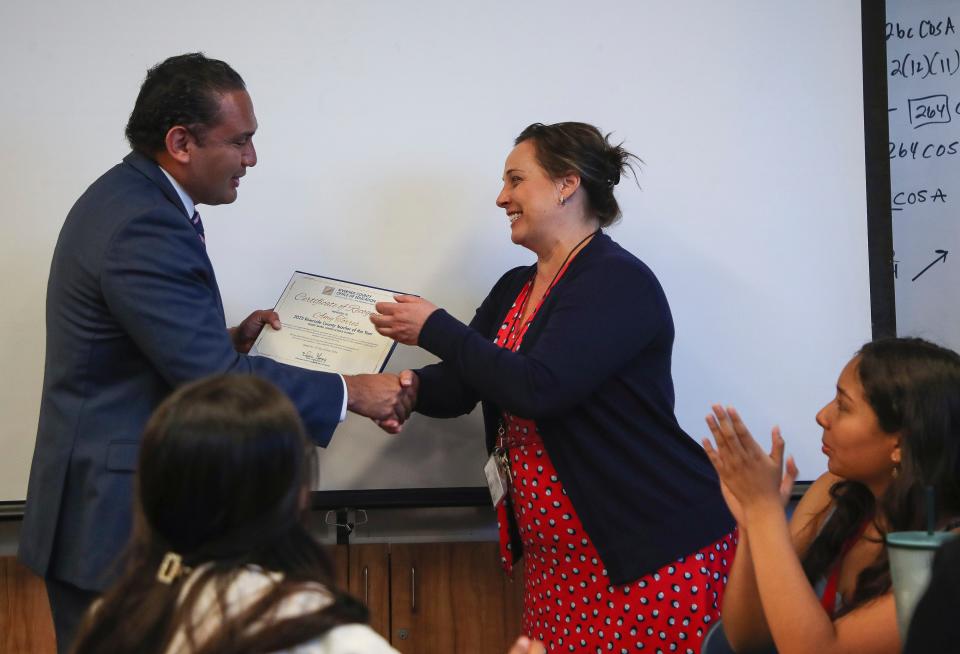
point(942, 257)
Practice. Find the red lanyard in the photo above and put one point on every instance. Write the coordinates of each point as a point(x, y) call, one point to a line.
point(553, 282)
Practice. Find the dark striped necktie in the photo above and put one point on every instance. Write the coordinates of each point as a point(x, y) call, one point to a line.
point(198, 225)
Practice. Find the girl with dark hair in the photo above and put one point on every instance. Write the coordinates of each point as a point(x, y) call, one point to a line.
point(625, 537)
point(821, 583)
point(220, 560)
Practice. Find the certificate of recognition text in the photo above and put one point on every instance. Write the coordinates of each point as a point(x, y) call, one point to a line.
point(326, 326)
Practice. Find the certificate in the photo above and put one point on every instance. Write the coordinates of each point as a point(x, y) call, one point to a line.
point(326, 326)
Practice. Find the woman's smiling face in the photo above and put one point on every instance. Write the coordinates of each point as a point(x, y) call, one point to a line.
point(529, 196)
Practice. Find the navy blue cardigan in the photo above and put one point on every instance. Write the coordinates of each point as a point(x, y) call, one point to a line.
point(593, 371)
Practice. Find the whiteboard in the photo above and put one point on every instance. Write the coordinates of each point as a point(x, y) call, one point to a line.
point(923, 68)
point(383, 131)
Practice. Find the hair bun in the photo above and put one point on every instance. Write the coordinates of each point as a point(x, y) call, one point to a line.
point(617, 159)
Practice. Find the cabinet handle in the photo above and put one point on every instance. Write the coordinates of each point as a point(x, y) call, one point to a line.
point(413, 589)
point(366, 586)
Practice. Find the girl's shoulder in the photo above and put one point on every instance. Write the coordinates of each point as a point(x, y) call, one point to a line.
point(223, 597)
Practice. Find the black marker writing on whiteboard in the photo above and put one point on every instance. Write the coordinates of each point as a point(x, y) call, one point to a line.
point(946, 63)
point(942, 257)
point(903, 199)
point(925, 29)
point(917, 150)
point(929, 110)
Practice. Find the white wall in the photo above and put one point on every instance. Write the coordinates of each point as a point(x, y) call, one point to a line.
point(383, 130)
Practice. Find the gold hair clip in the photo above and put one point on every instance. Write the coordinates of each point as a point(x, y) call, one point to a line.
point(171, 568)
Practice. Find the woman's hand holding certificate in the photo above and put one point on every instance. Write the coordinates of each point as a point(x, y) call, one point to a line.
point(402, 320)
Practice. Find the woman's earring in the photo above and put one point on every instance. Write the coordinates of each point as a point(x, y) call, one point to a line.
point(563, 200)
point(896, 470)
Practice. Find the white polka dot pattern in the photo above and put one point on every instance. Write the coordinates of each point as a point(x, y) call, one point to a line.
point(569, 603)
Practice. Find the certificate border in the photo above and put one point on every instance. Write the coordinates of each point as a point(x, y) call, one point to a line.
point(347, 281)
point(393, 347)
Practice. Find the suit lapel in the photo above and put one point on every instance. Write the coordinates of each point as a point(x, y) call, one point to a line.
point(151, 170)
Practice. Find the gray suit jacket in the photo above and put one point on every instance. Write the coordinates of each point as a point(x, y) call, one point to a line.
point(133, 310)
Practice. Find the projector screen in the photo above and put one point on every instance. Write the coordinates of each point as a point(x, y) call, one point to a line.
point(383, 132)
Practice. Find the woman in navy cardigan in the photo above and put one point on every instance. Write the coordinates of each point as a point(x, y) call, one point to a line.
point(617, 511)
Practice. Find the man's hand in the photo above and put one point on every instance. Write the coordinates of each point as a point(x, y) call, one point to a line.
point(385, 398)
point(244, 334)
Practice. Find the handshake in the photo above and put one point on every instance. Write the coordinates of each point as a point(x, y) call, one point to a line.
point(389, 399)
point(386, 398)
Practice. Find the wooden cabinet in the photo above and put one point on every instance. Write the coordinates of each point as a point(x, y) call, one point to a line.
point(452, 597)
point(423, 598)
point(25, 622)
point(370, 582)
point(340, 562)
point(438, 597)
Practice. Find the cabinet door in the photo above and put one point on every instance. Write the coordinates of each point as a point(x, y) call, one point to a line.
point(370, 583)
point(453, 597)
point(25, 622)
point(339, 559)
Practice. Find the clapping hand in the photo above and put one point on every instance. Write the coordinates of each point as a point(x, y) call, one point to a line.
point(748, 475)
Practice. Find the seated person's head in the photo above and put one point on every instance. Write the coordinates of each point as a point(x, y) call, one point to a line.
point(221, 489)
point(912, 388)
point(224, 472)
point(892, 430)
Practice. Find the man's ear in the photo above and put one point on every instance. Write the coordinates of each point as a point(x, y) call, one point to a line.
point(179, 143)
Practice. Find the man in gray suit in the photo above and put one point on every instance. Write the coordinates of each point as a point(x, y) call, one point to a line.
point(133, 310)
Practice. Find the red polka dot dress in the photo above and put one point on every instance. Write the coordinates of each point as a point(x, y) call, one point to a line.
point(569, 603)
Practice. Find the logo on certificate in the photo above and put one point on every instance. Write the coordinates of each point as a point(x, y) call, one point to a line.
point(327, 290)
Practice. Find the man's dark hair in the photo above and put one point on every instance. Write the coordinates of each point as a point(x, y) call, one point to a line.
point(182, 90)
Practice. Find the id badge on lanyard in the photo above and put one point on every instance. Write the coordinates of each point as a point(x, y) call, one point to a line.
point(497, 472)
